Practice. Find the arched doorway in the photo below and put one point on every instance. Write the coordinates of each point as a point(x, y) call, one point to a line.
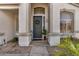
point(38, 22)
point(39, 18)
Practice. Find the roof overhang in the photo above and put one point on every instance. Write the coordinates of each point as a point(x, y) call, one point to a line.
point(75, 4)
point(16, 6)
point(9, 6)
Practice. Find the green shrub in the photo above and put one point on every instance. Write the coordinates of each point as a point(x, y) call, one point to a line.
point(77, 46)
point(44, 32)
point(68, 45)
point(59, 53)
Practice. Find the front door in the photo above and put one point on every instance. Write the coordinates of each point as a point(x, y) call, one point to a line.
point(37, 27)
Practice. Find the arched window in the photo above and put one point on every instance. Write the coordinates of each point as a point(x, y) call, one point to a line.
point(39, 10)
point(66, 21)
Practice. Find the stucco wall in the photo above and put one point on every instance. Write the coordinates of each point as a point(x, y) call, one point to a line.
point(57, 7)
point(7, 24)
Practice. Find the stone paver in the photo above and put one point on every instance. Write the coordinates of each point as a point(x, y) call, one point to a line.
point(39, 51)
point(39, 43)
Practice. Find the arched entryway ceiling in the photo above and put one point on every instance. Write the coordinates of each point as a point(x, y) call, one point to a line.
point(39, 5)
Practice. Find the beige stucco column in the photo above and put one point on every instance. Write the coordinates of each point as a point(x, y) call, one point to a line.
point(54, 25)
point(24, 35)
point(76, 23)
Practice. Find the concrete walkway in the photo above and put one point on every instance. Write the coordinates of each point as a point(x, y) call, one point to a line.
point(39, 51)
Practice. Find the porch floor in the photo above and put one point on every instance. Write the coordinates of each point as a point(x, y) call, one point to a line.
point(39, 43)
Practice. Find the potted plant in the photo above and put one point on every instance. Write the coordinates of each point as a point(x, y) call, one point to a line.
point(44, 34)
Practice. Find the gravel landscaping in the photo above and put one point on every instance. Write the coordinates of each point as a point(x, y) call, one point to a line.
point(36, 48)
point(52, 50)
point(13, 48)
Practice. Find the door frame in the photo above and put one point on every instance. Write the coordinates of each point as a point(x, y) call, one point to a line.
point(42, 25)
point(45, 16)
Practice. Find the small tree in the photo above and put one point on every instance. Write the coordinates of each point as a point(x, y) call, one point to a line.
point(45, 33)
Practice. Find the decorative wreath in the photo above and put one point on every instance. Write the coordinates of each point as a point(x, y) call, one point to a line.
point(37, 21)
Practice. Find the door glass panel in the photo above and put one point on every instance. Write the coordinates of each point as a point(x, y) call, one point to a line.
point(39, 10)
point(43, 22)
